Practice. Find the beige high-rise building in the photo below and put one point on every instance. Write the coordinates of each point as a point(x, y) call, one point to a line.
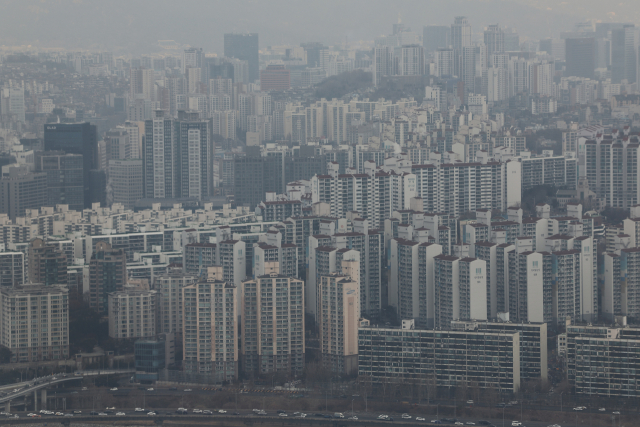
point(210, 327)
point(338, 315)
point(133, 313)
point(273, 325)
point(44, 332)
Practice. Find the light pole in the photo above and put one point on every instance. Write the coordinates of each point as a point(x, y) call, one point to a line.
point(503, 416)
point(561, 401)
point(352, 407)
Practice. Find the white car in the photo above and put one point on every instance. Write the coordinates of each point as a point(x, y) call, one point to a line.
point(120, 414)
point(68, 415)
point(406, 416)
point(470, 423)
point(60, 414)
point(602, 409)
point(84, 388)
point(353, 418)
point(222, 411)
point(469, 402)
point(187, 389)
point(459, 423)
point(102, 414)
point(420, 419)
point(197, 411)
point(114, 389)
point(616, 412)
point(139, 409)
point(435, 421)
point(151, 413)
point(111, 409)
point(383, 417)
point(516, 423)
point(283, 415)
point(302, 415)
point(150, 389)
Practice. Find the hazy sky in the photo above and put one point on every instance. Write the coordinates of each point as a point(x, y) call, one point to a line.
point(136, 25)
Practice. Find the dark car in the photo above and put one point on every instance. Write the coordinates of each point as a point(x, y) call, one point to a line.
point(280, 411)
point(93, 413)
point(390, 419)
point(173, 388)
point(318, 415)
point(327, 416)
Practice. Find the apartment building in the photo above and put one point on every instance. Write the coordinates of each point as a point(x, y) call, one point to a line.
point(601, 360)
point(488, 360)
point(169, 287)
point(533, 344)
point(47, 263)
point(12, 269)
point(35, 322)
point(133, 313)
point(273, 325)
point(107, 274)
point(338, 316)
point(210, 327)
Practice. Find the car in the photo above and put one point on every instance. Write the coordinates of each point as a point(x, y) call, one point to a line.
point(470, 423)
point(577, 409)
point(459, 423)
point(53, 379)
point(68, 415)
point(93, 413)
point(222, 411)
point(31, 415)
point(469, 402)
point(353, 418)
point(114, 389)
point(262, 412)
point(280, 411)
point(151, 413)
point(406, 416)
point(383, 417)
point(256, 410)
point(84, 388)
point(120, 414)
point(483, 423)
point(173, 388)
point(513, 402)
point(516, 423)
point(150, 389)
point(77, 412)
point(616, 412)
point(197, 411)
point(187, 389)
point(103, 414)
point(420, 419)
point(112, 408)
point(390, 419)
point(602, 409)
point(436, 422)
point(338, 415)
point(207, 412)
point(236, 413)
point(302, 415)
point(282, 415)
point(139, 409)
point(60, 414)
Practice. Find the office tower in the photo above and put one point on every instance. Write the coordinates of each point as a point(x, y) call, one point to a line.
point(64, 178)
point(142, 84)
point(254, 176)
point(244, 47)
point(580, 54)
point(22, 190)
point(460, 38)
point(273, 325)
point(493, 41)
point(435, 37)
point(196, 154)
point(79, 138)
point(12, 269)
point(159, 158)
point(313, 53)
point(47, 264)
point(125, 183)
point(169, 287)
point(623, 54)
point(338, 320)
point(192, 58)
point(133, 313)
point(107, 273)
point(511, 40)
point(210, 330)
point(452, 357)
point(444, 61)
point(460, 289)
point(44, 336)
point(118, 146)
point(275, 77)
point(383, 63)
point(411, 61)
point(13, 103)
point(474, 62)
